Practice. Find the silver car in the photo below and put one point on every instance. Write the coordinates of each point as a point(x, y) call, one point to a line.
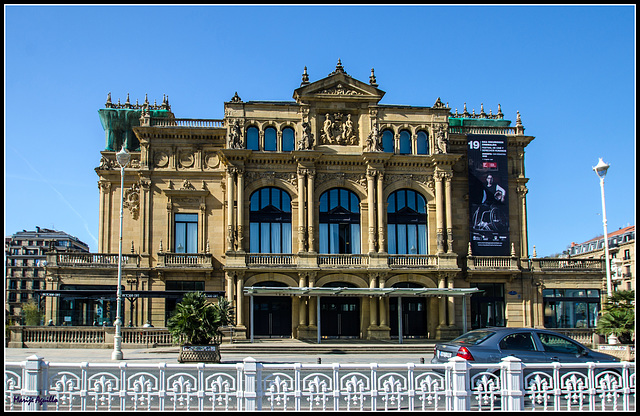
point(490, 345)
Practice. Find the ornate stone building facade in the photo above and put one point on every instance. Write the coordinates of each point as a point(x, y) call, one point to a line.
point(332, 190)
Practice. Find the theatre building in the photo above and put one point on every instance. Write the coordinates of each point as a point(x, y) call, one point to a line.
point(332, 215)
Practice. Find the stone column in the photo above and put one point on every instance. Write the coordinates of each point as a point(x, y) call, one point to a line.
point(448, 211)
point(230, 281)
point(239, 300)
point(230, 196)
point(240, 221)
point(437, 176)
point(382, 210)
point(373, 302)
point(451, 303)
point(443, 305)
point(383, 304)
point(311, 221)
point(303, 301)
point(312, 300)
point(524, 247)
point(371, 175)
point(301, 211)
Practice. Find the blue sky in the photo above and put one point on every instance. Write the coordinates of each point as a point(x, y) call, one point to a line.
point(568, 70)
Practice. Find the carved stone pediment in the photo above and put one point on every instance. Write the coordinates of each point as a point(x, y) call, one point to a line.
point(338, 86)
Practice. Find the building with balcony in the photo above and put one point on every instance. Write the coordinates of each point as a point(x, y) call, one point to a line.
point(25, 257)
point(622, 253)
point(333, 215)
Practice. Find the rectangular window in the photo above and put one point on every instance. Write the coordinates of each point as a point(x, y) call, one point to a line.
point(186, 233)
point(571, 308)
point(487, 307)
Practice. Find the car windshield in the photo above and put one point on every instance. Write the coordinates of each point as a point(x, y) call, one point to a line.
point(473, 337)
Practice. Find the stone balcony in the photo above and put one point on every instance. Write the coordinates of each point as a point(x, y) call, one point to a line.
point(91, 260)
point(185, 260)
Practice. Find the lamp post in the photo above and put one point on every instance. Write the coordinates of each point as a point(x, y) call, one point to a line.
point(123, 160)
point(601, 171)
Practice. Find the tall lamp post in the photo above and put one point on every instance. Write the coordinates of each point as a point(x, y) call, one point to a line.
point(123, 158)
point(601, 171)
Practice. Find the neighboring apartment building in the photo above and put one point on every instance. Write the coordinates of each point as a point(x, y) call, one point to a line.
point(330, 215)
point(622, 251)
point(25, 256)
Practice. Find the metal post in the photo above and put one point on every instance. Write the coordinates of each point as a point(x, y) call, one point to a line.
point(606, 239)
point(318, 318)
point(251, 315)
point(399, 320)
point(464, 314)
point(117, 341)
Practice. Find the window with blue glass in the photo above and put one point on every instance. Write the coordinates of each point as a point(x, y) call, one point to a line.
point(270, 139)
point(253, 138)
point(387, 141)
point(288, 139)
point(186, 233)
point(405, 143)
point(422, 143)
point(339, 218)
point(270, 221)
point(571, 308)
point(406, 223)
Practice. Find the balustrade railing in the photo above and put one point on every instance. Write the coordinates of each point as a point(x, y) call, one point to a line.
point(483, 130)
point(95, 259)
point(412, 260)
point(186, 122)
point(63, 335)
point(184, 260)
point(458, 385)
point(274, 260)
point(491, 262)
point(564, 263)
point(339, 260)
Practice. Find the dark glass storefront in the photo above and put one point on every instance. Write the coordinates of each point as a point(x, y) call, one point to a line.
point(487, 307)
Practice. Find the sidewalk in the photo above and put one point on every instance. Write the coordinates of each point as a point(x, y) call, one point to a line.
point(268, 351)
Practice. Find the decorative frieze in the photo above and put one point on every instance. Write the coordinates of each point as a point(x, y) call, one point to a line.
point(338, 129)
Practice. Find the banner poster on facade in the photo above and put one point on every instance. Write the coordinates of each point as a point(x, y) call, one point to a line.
point(488, 196)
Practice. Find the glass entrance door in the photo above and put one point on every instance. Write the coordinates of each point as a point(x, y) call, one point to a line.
point(414, 317)
point(272, 316)
point(340, 317)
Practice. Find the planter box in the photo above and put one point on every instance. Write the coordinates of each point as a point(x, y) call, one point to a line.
point(199, 354)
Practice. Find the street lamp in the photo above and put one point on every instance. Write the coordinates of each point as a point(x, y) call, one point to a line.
point(123, 158)
point(601, 171)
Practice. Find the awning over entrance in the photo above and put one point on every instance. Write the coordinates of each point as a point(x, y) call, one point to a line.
point(252, 291)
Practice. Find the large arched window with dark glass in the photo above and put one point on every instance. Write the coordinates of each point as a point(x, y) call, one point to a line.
point(270, 221)
point(405, 143)
point(422, 143)
point(406, 223)
point(387, 141)
point(270, 139)
point(253, 138)
point(288, 139)
point(339, 222)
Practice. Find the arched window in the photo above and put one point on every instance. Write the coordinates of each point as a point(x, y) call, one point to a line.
point(405, 143)
point(288, 139)
point(270, 139)
point(253, 138)
point(387, 141)
point(339, 222)
point(422, 143)
point(406, 223)
point(270, 221)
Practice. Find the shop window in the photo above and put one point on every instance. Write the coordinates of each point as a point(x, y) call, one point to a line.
point(571, 308)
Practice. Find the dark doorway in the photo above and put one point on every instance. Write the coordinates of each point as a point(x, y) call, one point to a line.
point(272, 314)
point(340, 316)
point(414, 314)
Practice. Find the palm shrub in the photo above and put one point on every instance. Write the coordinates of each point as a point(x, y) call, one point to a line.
point(618, 316)
point(197, 322)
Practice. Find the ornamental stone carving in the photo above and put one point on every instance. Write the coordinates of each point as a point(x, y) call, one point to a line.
point(306, 142)
point(442, 142)
point(338, 129)
point(235, 137)
point(131, 200)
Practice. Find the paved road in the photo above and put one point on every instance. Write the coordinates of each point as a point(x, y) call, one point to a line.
point(170, 355)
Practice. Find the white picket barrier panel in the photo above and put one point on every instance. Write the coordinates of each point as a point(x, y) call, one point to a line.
point(458, 385)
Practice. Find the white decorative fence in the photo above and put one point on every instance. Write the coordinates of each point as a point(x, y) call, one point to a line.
point(456, 386)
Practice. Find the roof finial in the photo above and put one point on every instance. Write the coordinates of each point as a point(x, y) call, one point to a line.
point(518, 119)
point(372, 79)
point(146, 99)
point(108, 103)
point(127, 104)
point(339, 67)
point(305, 77)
